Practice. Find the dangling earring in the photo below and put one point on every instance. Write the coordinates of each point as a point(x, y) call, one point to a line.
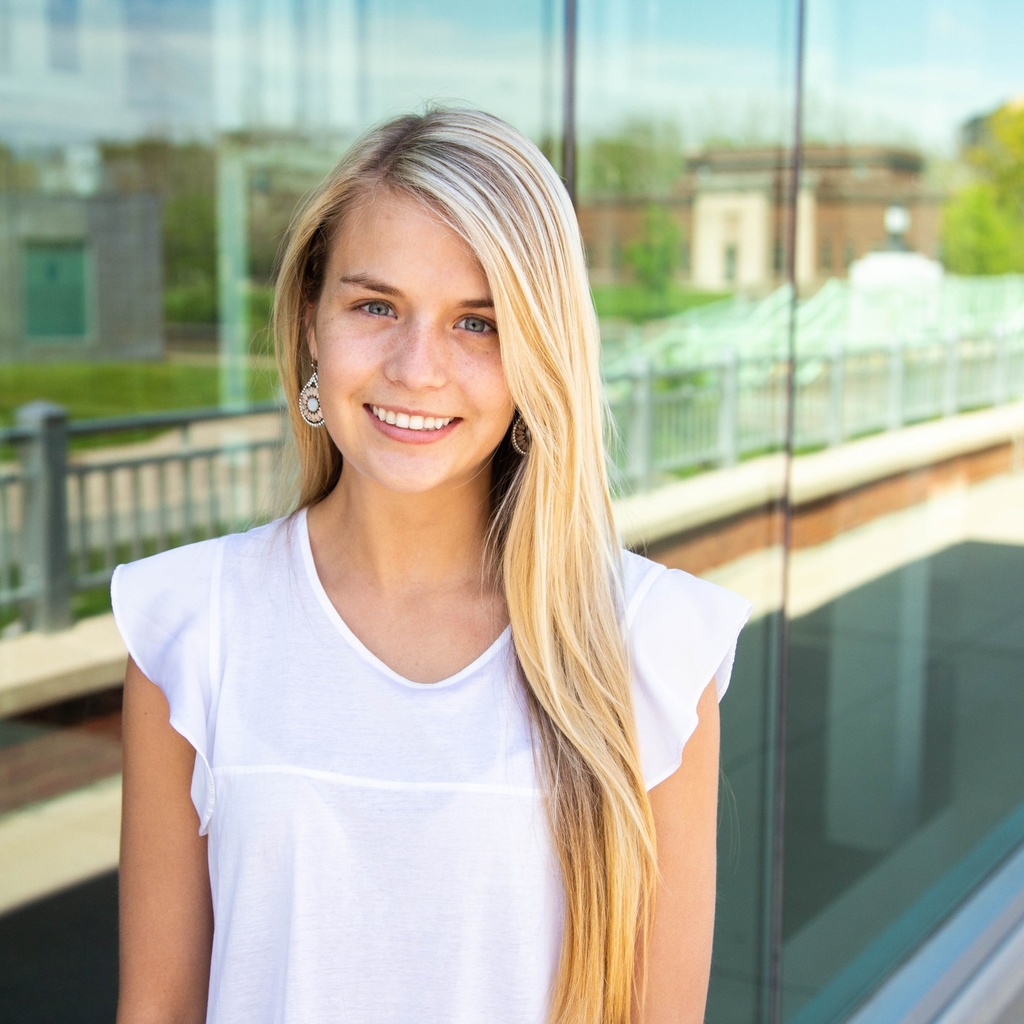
point(521, 439)
point(309, 401)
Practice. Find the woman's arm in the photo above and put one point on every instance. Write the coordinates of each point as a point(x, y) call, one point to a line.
point(685, 810)
point(166, 915)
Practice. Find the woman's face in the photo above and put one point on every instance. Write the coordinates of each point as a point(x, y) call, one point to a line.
point(409, 365)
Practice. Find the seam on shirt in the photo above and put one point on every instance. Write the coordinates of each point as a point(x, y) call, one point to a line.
point(365, 783)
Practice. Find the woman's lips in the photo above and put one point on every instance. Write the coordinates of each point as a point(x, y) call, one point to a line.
point(411, 427)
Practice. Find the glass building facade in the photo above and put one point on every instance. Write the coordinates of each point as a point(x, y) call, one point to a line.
point(804, 223)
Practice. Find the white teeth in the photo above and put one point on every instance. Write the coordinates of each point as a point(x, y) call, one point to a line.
point(404, 420)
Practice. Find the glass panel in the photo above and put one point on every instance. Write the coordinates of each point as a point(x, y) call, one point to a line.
point(905, 771)
point(683, 133)
point(151, 155)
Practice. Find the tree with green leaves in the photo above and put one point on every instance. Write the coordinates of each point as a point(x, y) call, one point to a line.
point(654, 257)
point(983, 222)
point(643, 159)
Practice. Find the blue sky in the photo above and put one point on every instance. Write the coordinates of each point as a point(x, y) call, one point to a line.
point(876, 70)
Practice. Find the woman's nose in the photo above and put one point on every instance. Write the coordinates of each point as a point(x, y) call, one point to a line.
point(418, 357)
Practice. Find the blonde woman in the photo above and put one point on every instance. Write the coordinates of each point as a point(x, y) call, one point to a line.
point(432, 748)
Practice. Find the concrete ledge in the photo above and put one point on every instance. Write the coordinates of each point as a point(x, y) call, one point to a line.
point(39, 669)
point(968, 971)
point(58, 843)
point(708, 498)
point(749, 486)
point(836, 470)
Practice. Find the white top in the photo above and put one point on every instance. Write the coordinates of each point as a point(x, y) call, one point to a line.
point(378, 848)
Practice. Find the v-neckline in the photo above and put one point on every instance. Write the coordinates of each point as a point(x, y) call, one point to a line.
point(332, 613)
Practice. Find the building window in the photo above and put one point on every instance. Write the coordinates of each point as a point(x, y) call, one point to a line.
point(730, 263)
point(63, 19)
point(55, 281)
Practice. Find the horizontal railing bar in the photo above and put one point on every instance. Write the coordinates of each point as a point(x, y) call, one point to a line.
point(85, 468)
point(146, 421)
point(153, 420)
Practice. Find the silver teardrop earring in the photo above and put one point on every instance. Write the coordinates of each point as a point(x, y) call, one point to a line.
point(521, 439)
point(309, 401)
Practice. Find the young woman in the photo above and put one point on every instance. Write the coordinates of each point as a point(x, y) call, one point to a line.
point(433, 722)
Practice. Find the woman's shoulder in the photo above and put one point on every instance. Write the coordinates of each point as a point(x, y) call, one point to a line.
point(654, 591)
point(180, 591)
point(683, 632)
point(190, 563)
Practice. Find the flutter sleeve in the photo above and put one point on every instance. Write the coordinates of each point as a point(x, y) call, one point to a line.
point(683, 632)
point(166, 611)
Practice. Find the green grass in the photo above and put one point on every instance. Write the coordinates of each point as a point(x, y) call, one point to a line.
point(94, 390)
point(632, 302)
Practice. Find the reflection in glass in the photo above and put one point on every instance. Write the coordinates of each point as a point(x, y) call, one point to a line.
point(903, 779)
point(683, 200)
point(151, 155)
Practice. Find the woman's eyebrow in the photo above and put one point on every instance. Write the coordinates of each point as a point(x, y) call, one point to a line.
point(365, 281)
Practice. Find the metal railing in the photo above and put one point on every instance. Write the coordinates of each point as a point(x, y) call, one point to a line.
point(67, 517)
point(670, 421)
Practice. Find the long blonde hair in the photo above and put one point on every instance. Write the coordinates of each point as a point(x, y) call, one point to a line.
point(552, 531)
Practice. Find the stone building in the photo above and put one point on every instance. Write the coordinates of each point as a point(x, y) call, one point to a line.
point(730, 205)
point(82, 276)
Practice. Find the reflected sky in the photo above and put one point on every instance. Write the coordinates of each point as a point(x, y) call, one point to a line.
point(908, 72)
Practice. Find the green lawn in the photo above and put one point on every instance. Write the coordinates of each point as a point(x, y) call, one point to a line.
point(92, 390)
point(631, 302)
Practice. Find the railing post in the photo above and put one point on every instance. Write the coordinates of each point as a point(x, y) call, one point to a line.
point(640, 440)
point(951, 391)
point(897, 371)
point(728, 417)
point(1001, 382)
point(836, 375)
point(46, 562)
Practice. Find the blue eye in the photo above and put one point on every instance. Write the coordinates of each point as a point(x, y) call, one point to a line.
point(475, 325)
point(377, 307)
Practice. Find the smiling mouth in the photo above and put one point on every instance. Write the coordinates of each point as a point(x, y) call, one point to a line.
point(410, 422)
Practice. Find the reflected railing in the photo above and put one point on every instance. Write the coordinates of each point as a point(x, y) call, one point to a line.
point(68, 518)
point(66, 521)
point(668, 421)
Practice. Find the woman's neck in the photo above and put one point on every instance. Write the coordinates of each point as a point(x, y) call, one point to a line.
point(415, 542)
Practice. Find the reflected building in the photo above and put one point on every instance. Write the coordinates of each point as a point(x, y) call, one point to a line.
point(732, 209)
point(80, 260)
point(851, 462)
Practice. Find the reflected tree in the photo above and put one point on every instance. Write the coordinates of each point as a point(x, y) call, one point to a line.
point(983, 222)
point(655, 256)
point(643, 159)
